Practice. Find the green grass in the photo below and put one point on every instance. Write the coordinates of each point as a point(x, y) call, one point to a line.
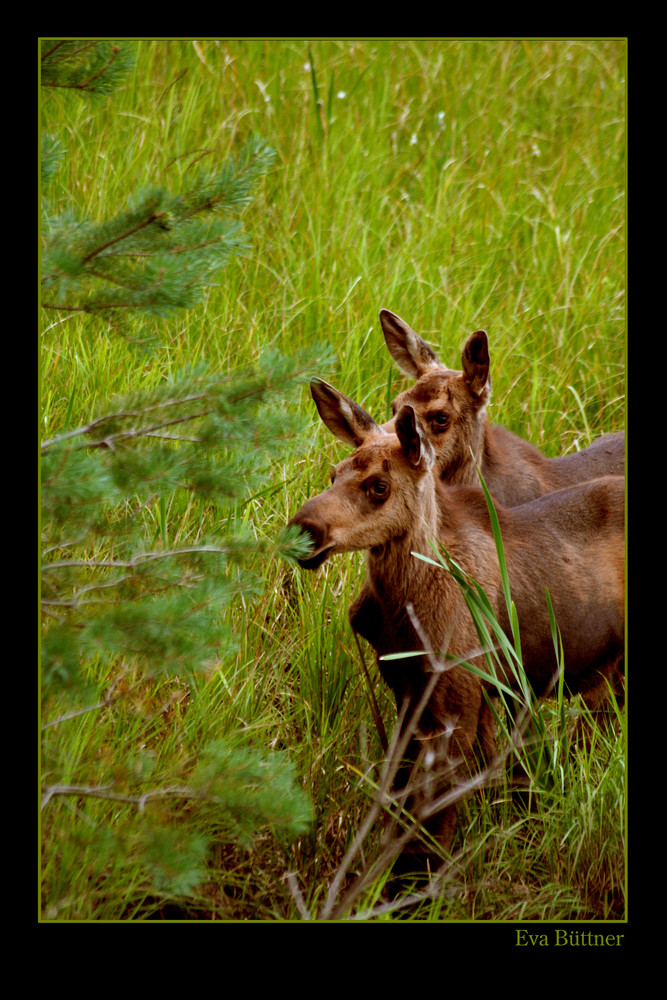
point(463, 185)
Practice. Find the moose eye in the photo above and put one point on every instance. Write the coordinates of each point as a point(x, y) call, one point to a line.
point(439, 421)
point(378, 491)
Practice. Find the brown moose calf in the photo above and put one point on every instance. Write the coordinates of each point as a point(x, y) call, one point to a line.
point(385, 499)
point(451, 406)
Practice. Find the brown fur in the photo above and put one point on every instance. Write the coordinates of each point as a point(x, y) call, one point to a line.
point(451, 406)
point(385, 499)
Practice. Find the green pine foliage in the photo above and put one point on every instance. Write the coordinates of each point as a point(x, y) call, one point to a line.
point(91, 67)
point(159, 254)
point(127, 608)
point(109, 588)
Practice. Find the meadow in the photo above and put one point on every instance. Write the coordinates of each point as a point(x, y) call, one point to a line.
point(463, 184)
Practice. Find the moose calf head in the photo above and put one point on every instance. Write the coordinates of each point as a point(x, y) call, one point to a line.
point(375, 492)
point(450, 404)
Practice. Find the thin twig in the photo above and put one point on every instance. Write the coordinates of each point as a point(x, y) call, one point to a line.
point(108, 700)
point(122, 236)
point(105, 792)
point(114, 53)
point(180, 401)
point(297, 895)
point(49, 52)
point(386, 777)
point(139, 558)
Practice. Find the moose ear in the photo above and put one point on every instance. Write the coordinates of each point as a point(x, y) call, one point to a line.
point(475, 359)
point(416, 446)
point(344, 418)
point(412, 354)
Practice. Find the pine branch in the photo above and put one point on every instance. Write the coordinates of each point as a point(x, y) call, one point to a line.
point(140, 558)
point(110, 699)
point(47, 53)
point(110, 440)
point(113, 439)
point(69, 53)
point(94, 68)
point(106, 792)
point(85, 85)
point(112, 602)
point(123, 236)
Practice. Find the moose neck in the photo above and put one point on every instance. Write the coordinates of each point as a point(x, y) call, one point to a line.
point(459, 468)
point(480, 442)
point(399, 578)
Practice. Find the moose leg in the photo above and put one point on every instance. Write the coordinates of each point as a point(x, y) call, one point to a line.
point(419, 781)
point(598, 699)
point(441, 758)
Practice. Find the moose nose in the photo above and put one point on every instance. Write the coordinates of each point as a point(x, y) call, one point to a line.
point(318, 544)
point(308, 528)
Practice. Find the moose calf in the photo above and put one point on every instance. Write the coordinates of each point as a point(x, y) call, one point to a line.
point(385, 499)
point(451, 406)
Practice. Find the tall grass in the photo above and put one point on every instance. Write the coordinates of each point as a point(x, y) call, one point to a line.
point(462, 184)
